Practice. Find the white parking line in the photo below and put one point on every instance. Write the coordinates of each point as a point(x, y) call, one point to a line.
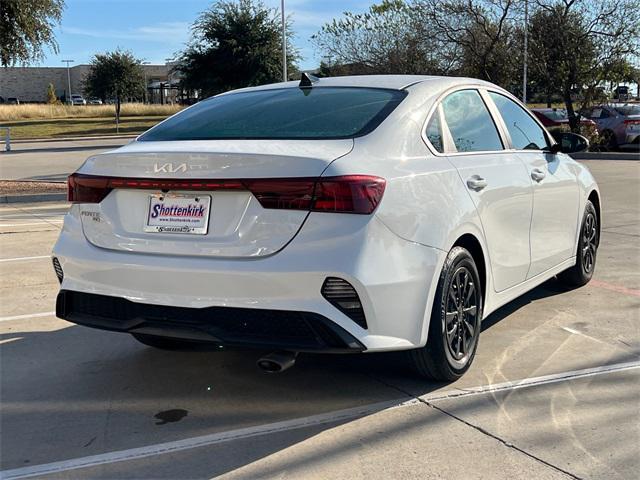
point(331, 417)
point(23, 259)
point(54, 223)
point(28, 315)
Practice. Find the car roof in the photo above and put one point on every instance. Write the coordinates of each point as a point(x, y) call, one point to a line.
point(395, 82)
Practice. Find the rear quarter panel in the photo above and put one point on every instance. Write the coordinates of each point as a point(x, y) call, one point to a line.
point(425, 200)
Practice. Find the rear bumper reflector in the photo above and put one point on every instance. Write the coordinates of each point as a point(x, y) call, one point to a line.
point(344, 297)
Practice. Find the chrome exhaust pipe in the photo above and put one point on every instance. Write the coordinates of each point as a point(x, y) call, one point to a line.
point(277, 362)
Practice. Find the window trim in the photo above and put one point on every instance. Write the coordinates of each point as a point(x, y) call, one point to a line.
point(493, 112)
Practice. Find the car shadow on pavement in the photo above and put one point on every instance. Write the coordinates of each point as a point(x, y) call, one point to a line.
point(549, 288)
point(73, 392)
point(76, 392)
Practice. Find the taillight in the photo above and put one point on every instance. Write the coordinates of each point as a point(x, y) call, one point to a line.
point(345, 194)
point(632, 122)
point(348, 194)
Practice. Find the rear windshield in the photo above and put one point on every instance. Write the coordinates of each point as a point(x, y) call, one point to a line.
point(555, 114)
point(287, 113)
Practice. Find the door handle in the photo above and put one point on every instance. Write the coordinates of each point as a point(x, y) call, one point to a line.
point(537, 174)
point(476, 183)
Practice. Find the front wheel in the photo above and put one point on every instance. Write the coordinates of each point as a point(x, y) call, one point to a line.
point(582, 271)
point(454, 328)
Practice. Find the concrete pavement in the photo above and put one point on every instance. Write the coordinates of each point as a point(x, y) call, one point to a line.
point(108, 407)
point(52, 160)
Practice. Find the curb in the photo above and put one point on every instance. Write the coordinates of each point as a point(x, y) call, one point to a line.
point(605, 156)
point(74, 139)
point(40, 197)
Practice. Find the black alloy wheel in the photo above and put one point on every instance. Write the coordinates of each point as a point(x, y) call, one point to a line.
point(454, 327)
point(587, 251)
point(461, 314)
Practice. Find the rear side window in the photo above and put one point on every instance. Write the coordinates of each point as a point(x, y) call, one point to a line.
point(288, 113)
point(525, 132)
point(470, 123)
point(434, 132)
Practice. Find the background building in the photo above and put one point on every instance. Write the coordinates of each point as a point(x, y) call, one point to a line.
point(29, 84)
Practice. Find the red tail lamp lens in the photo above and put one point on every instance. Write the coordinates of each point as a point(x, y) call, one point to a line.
point(349, 194)
point(359, 194)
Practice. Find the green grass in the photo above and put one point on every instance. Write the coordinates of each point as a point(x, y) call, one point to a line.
point(78, 127)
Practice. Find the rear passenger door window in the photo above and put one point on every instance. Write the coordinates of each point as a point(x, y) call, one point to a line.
point(434, 132)
point(525, 132)
point(469, 122)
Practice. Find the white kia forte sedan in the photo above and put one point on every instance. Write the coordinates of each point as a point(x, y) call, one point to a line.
point(339, 215)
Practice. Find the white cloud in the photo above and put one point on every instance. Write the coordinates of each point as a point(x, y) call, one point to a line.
point(160, 32)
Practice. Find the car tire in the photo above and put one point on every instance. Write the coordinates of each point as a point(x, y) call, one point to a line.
point(586, 254)
point(166, 343)
point(609, 141)
point(454, 328)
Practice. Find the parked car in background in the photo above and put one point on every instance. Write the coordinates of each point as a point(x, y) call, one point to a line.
point(13, 101)
point(78, 100)
point(94, 101)
point(558, 117)
point(617, 123)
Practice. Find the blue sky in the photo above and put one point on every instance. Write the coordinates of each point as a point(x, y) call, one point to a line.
point(155, 29)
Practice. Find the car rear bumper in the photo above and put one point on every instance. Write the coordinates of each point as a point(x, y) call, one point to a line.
point(228, 326)
point(394, 280)
point(632, 138)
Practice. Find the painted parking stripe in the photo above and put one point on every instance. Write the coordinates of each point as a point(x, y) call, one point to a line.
point(331, 417)
point(23, 259)
point(52, 222)
point(531, 382)
point(28, 315)
point(614, 288)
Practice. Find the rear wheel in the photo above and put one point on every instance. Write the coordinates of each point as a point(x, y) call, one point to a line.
point(454, 328)
point(609, 141)
point(166, 343)
point(582, 271)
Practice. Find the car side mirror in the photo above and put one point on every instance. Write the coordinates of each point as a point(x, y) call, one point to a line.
point(569, 142)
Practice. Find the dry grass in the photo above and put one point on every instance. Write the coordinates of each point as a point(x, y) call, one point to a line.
point(44, 111)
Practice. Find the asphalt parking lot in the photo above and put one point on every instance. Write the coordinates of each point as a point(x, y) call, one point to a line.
point(554, 391)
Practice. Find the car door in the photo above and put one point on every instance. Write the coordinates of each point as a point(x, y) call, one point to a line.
point(555, 190)
point(602, 117)
point(497, 182)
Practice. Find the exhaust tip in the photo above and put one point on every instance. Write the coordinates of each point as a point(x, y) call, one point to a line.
point(277, 362)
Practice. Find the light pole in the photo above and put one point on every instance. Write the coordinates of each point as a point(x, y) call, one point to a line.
point(68, 80)
point(284, 43)
point(524, 67)
point(146, 86)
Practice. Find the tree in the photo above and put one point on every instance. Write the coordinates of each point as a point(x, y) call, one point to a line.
point(116, 75)
point(51, 94)
point(26, 26)
point(481, 34)
point(235, 45)
point(384, 39)
point(578, 44)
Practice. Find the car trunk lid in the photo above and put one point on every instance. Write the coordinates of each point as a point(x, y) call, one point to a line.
point(210, 177)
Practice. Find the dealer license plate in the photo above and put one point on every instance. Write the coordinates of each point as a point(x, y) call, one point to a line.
point(178, 214)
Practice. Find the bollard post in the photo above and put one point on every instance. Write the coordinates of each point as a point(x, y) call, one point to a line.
point(7, 138)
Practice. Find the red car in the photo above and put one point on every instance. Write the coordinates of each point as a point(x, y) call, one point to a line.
point(556, 117)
